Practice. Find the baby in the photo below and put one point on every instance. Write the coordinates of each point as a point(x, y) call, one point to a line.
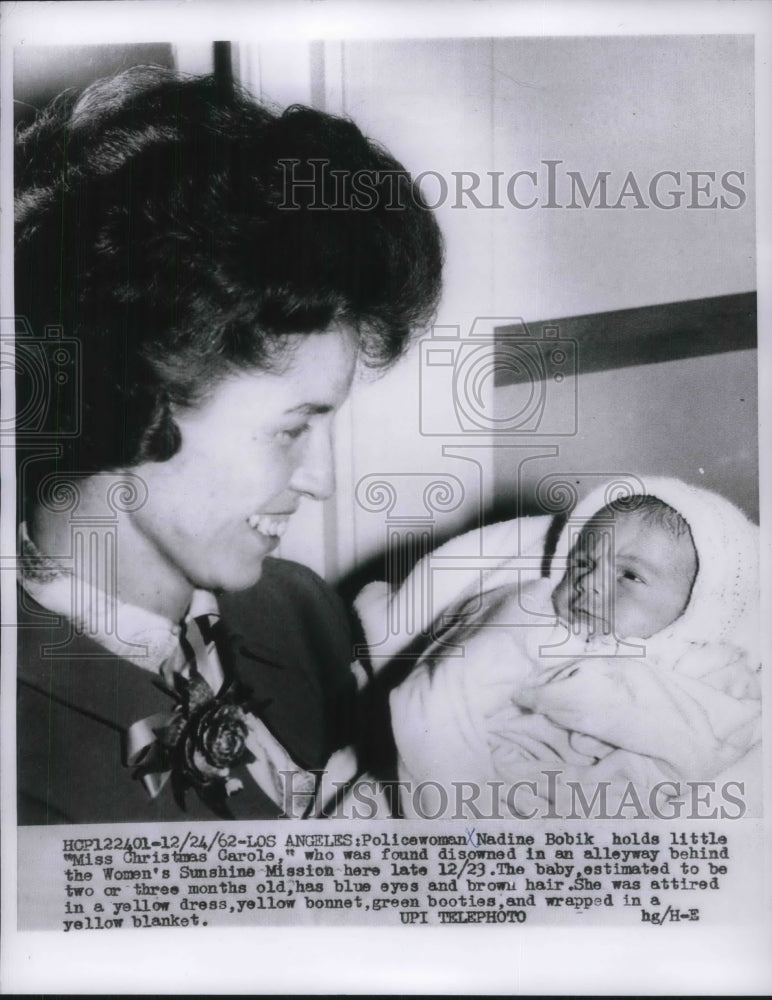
point(634, 661)
point(647, 568)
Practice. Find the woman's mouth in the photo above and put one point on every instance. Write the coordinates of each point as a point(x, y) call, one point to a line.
point(269, 525)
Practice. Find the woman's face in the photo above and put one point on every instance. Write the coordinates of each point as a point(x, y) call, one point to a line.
point(258, 445)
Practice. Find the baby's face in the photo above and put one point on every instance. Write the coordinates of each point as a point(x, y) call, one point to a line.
point(635, 588)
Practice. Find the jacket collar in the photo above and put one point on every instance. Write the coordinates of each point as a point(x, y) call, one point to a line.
point(125, 630)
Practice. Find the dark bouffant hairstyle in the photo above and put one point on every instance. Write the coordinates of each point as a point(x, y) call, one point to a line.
point(158, 225)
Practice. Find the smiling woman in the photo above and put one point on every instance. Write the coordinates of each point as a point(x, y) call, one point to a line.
point(260, 443)
point(200, 333)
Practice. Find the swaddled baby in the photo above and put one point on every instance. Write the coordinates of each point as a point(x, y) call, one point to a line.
point(635, 661)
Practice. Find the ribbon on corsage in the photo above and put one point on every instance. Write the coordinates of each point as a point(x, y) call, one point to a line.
point(205, 736)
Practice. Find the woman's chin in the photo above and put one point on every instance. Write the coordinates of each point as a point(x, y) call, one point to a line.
point(235, 578)
point(248, 578)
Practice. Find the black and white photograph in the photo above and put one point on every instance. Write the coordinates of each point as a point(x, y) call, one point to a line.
point(384, 531)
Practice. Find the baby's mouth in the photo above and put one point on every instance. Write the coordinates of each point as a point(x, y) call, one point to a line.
point(270, 525)
point(580, 614)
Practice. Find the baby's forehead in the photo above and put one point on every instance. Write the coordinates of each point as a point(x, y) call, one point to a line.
point(643, 519)
point(662, 535)
point(646, 515)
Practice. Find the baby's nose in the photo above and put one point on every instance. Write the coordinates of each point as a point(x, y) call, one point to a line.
point(592, 579)
point(587, 579)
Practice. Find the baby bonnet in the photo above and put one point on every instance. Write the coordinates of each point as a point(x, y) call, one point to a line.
point(724, 603)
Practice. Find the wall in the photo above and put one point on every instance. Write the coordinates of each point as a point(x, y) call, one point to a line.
point(681, 103)
point(694, 419)
point(640, 105)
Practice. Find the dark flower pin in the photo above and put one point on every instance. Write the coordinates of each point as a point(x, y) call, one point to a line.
point(204, 738)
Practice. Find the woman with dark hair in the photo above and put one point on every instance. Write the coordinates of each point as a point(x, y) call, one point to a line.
point(199, 277)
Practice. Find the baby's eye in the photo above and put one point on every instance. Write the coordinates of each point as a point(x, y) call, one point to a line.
point(628, 574)
point(289, 434)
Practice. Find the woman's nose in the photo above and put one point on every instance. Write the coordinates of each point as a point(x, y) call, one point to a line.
point(315, 475)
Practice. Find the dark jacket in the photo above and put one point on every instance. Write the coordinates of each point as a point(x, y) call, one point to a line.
point(290, 644)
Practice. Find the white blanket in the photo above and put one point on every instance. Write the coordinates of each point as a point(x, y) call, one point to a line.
point(492, 703)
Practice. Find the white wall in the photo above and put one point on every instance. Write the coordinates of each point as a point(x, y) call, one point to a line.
point(623, 104)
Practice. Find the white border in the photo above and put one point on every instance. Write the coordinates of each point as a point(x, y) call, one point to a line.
point(575, 961)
